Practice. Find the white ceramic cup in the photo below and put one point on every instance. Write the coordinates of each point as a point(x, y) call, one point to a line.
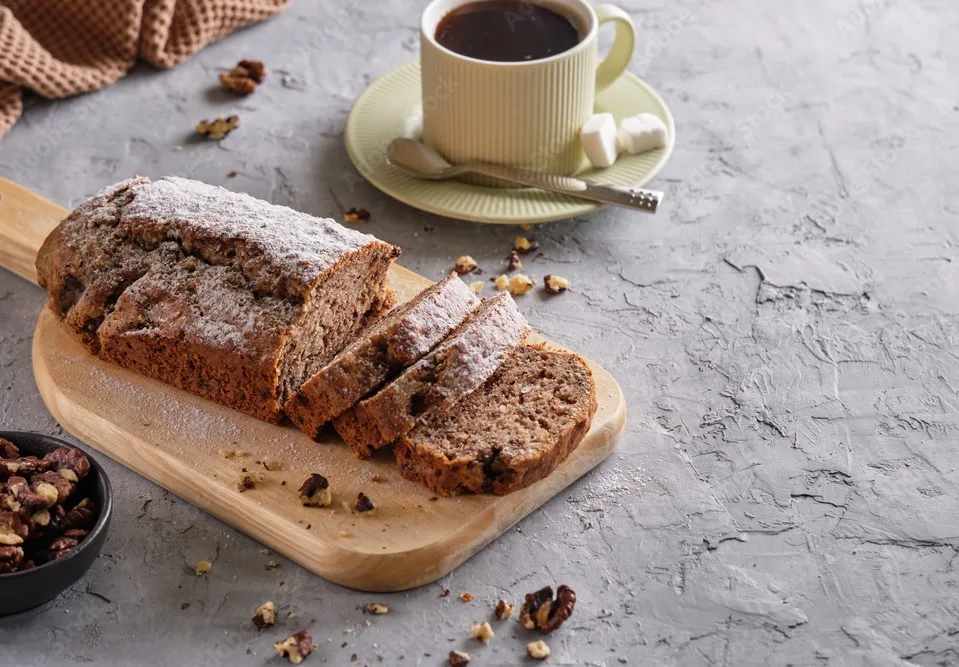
point(525, 114)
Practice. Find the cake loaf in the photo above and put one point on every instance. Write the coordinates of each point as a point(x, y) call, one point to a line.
point(513, 431)
point(459, 365)
point(218, 293)
point(397, 341)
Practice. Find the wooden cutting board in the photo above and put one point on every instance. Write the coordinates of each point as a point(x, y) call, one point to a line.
point(174, 439)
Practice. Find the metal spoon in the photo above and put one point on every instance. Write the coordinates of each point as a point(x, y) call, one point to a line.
point(418, 159)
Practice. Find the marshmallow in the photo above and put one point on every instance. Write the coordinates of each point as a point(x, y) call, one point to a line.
point(640, 133)
point(599, 139)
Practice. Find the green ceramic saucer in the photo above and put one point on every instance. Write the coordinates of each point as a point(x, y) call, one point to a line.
point(382, 113)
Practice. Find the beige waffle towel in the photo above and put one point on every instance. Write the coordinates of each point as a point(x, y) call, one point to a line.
point(58, 48)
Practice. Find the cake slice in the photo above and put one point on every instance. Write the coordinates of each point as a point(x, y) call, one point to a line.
point(454, 369)
point(513, 431)
point(397, 341)
point(221, 294)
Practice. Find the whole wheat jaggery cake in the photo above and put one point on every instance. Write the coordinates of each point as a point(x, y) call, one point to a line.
point(397, 341)
point(216, 292)
point(511, 432)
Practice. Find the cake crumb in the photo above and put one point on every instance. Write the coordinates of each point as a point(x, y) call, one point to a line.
point(203, 567)
point(502, 282)
point(477, 286)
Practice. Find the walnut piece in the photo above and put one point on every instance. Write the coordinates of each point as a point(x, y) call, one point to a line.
point(459, 658)
point(203, 567)
point(8, 450)
point(363, 503)
point(217, 129)
point(542, 612)
point(295, 647)
point(520, 284)
point(513, 262)
point(466, 596)
point(481, 632)
point(265, 615)
point(524, 245)
point(538, 650)
point(502, 282)
point(504, 610)
point(356, 215)
point(315, 491)
point(556, 284)
point(35, 525)
point(377, 608)
point(252, 69)
point(477, 286)
point(240, 85)
point(465, 264)
point(244, 77)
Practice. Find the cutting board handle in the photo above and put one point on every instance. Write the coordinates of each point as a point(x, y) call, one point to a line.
point(25, 220)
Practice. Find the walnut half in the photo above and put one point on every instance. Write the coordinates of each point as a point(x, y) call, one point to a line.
point(542, 612)
point(296, 647)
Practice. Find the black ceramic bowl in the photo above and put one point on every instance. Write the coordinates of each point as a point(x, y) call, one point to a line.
point(24, 590)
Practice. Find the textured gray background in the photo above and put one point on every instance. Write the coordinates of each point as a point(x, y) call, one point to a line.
point(785, 332)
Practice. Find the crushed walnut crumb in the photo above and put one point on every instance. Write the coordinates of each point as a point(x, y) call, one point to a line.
point(465, 264)
point(376, 608)
point(315, 491)
point(265, 615)
point(477, 286)
point(356, 215)
point(459, 658)
point(482, 632)
point(504, 610)
point(296, 647)
point(232, 453)
point(502, 282)
point(203, 567)
point(538, 650)
point(524, 245)
point(246, 480)
point(520, 284)
point(363, 504)
point(556, 284)
point(217, 129)
point(466, 596)
point(512, 262)
point(270, 565)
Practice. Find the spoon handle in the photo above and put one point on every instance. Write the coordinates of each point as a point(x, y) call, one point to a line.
point(638, 199)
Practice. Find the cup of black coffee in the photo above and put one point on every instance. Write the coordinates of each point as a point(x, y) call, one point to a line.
point(513, 81)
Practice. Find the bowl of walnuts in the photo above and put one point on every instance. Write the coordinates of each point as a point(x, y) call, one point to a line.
point(55, 506)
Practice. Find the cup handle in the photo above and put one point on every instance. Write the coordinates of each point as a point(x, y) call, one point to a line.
point(622, 52)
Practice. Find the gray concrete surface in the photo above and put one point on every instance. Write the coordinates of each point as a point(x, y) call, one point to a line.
point(785, 331)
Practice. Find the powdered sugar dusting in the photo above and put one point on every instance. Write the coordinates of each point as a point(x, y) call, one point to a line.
point(478, 349)
point(268, 241)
